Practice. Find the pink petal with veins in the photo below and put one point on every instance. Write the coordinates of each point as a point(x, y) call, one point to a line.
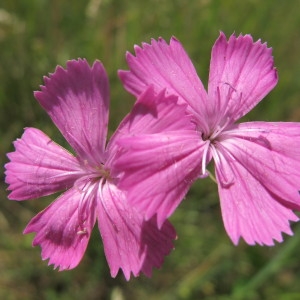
point(130, 243)
point(241, 74)
point(77, 100)
point(165, 66)
point(63, 229)
point(159, 169)
point(39, 167)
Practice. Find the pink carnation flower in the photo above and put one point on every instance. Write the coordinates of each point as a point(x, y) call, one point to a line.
point(257, 164)
point(77, 100)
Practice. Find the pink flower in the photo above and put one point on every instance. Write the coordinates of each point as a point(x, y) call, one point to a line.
point(257, 164)
point(77, 100)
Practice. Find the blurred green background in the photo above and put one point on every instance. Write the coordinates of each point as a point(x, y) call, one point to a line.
point(37, 35)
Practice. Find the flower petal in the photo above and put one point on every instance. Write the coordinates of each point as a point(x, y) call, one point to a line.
point(63, 229)
point(39, 167)
point(165, 67)
point(264, 160)
point(153, 113)
point(130, 243)
point(241, 74)
point(250, 211)
point(270, 151)
point(159, 169)
point(77, 100)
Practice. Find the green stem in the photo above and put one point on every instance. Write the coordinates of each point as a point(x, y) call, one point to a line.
point(212, 177)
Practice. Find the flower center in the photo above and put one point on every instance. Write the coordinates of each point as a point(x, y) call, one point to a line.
point(212, 139)
point(96, 172)
point(103, 172)
point(89, 184)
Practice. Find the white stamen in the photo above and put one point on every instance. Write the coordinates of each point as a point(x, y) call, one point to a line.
point(220, 129)
point(82, 232)
point(204, 158)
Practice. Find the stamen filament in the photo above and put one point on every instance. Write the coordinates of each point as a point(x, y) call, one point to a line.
point(212, 177)
point(204, 158)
